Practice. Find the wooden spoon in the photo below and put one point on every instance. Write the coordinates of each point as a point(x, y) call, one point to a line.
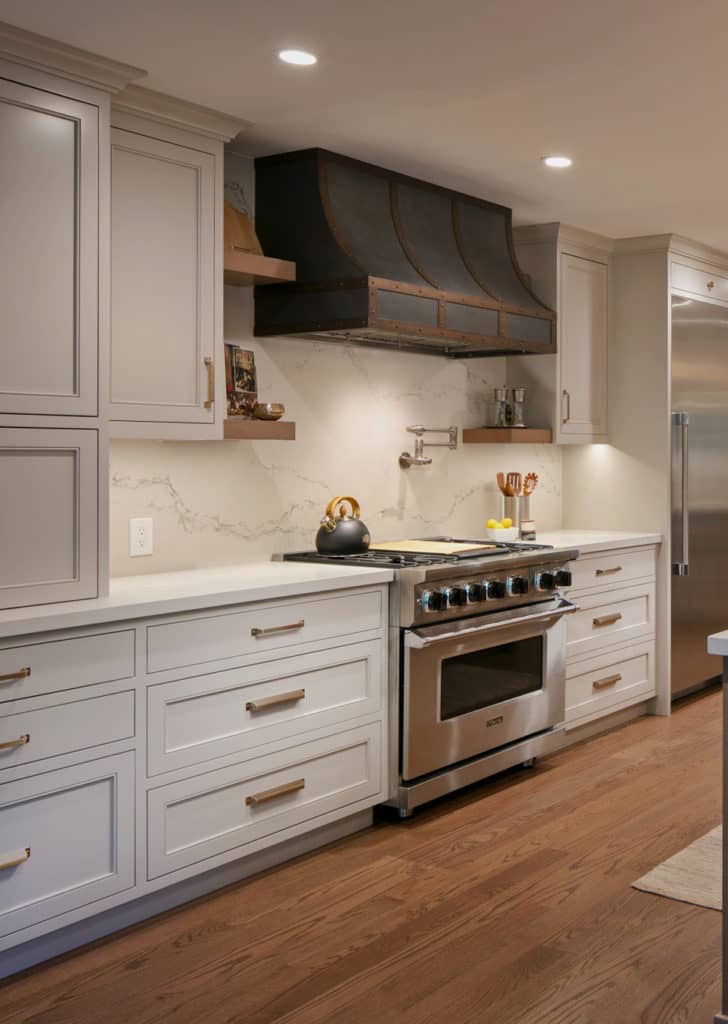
point(500, 477)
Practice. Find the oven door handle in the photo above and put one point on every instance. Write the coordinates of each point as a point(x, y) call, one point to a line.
point(414, 640)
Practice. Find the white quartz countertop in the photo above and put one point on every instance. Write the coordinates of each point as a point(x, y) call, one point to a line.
point(164, 593)
point(718, 644)
point(589, 541)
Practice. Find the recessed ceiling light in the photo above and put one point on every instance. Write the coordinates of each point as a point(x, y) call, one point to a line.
point(301, 57)
point(558, 161)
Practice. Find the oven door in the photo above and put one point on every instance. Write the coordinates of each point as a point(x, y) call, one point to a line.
point(477, 684)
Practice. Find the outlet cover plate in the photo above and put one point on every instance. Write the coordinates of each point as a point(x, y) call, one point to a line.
point(141, 536)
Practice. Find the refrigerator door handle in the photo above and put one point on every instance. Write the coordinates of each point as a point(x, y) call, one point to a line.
point(681, 420)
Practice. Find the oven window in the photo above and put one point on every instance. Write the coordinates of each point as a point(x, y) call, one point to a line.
point(473, 681)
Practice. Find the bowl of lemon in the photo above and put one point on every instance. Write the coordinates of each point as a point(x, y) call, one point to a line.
point(501, 529)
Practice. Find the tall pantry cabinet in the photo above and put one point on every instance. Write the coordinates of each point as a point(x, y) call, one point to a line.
point(54, 203)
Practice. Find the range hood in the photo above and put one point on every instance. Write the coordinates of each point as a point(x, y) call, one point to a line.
point(385, 259)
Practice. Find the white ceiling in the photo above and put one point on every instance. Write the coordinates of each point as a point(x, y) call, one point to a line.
point(469, 93)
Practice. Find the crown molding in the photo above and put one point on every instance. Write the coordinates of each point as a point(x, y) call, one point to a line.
point(555, 232)
point(176, 113)
point(69, 62)
point(674, 245)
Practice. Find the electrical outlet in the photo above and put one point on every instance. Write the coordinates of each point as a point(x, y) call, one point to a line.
point(141, 537)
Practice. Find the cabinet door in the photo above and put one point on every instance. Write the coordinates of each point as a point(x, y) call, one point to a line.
point(162, 281)
point(583, 347)
point(48, 252)
point(48, 516)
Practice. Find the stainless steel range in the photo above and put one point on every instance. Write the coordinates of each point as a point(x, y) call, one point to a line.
point(477, 673)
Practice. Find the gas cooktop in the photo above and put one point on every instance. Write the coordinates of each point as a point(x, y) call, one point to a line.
point(411, 559)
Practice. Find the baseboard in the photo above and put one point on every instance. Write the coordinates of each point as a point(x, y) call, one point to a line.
point(81, 933)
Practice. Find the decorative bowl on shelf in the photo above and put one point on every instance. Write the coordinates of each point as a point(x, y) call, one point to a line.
point(269, 410)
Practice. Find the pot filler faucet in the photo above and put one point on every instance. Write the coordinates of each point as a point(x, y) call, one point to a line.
point(419, 458)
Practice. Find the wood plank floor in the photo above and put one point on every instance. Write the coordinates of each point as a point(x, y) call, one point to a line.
point(508, 904)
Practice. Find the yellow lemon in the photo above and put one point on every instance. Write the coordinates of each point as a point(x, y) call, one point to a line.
point(506, 523)
point(493, 524)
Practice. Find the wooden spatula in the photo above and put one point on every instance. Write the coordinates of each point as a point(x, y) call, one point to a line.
point(529, 484)
point(514, 482)
point(501, 479)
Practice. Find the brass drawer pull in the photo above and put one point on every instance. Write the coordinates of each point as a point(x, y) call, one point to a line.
point(272, 794)
point(608, 572)
point(607, 620)
point(271, 630)
point(210, 366)
point(12, 677)
point(279, 698)
point(20, 742)
point(565, 395)
point(710, 285)
point(602, 684)
point(5, 865)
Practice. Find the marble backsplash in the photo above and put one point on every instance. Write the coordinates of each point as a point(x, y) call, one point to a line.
point(239, 501)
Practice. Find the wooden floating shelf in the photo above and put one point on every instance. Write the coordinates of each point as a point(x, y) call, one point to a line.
point(246, 268)
point(240, 429)
point(507, 435)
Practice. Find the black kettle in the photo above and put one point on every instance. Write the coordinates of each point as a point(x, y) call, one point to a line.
point(341, 533)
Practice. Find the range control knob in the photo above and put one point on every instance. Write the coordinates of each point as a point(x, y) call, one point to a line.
point(518, 585)
point(477, 592)
point(457, 596)
point(545, 581)
point(496, 588)
point(434, 600)
point(563, 578)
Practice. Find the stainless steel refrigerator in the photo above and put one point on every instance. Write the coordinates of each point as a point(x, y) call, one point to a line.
point(699, 488)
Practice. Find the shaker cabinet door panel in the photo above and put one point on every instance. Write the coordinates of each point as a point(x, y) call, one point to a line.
point(48, 516)
point(162, 281)
point(583, 347)
point(49, 196)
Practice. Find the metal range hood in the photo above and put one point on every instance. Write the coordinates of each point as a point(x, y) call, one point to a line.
point(384, 259)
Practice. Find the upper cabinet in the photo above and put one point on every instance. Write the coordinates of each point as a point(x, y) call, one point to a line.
point(49, 251)
point(167, 362)
point(582, 355)
point(569, 270)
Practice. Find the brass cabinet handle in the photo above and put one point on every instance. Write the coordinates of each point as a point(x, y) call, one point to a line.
point(279, 698)
point(608, 572)
point(12, 677)
point(20, 742)
point(272, 794)
point(602, 684)
point(565, 395)
point(210, 366)
point(5, 865)
point(607, 620)
point(271, 630)
point(710, 285)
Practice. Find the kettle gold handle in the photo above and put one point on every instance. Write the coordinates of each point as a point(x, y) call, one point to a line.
point(355, 507)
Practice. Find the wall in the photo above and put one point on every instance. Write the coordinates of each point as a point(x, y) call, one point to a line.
point(240, 501)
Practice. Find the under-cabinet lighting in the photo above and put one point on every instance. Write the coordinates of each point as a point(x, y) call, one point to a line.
point(300, 57)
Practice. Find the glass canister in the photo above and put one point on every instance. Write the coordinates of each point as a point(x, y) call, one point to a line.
point(500, 401)
point(517, 403)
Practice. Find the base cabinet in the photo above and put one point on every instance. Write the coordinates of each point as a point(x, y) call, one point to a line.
point(610, 651)
point(66, 840)
point(124, 780)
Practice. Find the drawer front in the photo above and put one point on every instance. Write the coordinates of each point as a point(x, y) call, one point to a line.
point(698, 282)
point(29, 734)
point(226, 809)
point(265, 627)
point(195, 720)
point(32, 669)
point(610, 618)
point(613, 568)
point(611, 681)
point(66, 840)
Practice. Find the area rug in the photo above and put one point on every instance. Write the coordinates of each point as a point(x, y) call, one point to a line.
point(693, 875)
